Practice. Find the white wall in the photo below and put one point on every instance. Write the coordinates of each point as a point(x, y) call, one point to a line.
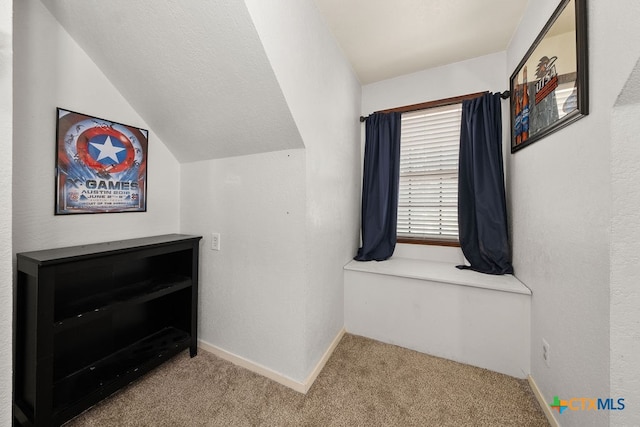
point(252, 290)
point(323, 94)
point(50, 71)
point(460, 78)
point(560, 199)
point(625, 251)
point(6, 287)
point(288, 220)
point(485, 73)
point(282, 308)
point(454, 317)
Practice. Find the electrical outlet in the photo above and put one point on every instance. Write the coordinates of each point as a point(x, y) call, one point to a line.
point(215, 241)
point(546, 352)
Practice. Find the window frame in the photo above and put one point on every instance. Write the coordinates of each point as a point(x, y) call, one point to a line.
point(424, 106)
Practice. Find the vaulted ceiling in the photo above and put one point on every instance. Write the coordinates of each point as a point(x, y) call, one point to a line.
point(197, 73)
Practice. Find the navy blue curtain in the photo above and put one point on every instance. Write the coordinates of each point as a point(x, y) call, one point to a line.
point(380, 187)
point(482, 208)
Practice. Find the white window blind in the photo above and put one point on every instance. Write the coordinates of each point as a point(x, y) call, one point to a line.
point(428, 196)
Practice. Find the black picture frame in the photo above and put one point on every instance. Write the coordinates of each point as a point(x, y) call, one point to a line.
point(558, 95)
point(101, 165)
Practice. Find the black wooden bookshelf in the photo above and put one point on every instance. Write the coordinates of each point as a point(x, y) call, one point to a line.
point(90, 319)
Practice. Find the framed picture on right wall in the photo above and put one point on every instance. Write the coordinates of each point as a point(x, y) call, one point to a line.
point(549, 87)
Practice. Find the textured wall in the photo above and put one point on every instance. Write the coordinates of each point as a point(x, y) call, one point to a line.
point(52, 71)
point(625, 251)
point(460, 78)
point(288, 220)
point(323, 95)
point(252, 290)
point(6, 126)
point(560, 199)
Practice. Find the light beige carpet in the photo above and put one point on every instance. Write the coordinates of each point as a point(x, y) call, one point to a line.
point(364, 383)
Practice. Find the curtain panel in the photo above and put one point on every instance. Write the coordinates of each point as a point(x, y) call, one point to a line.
point(482, 211)
point(380, 187)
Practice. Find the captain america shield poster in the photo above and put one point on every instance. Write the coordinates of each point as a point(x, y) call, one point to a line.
point(101, 165)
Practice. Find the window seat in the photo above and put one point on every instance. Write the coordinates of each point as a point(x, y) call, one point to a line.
point(432, 307)
point(439, 272)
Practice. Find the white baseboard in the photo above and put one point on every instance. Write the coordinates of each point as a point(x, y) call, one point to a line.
point(543, 402)
point(300, 387)
point(323, 361)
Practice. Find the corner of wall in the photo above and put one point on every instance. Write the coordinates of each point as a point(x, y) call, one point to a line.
point(6, 167)
point(330, 130)
point(625, 246)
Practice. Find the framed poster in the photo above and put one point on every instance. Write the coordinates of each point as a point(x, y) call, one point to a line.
point(549, 88)
point(101, 166)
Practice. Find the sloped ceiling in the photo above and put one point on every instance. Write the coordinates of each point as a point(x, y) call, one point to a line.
point(195, 71)
point(630, 94)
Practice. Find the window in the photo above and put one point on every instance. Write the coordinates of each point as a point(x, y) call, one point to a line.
point(428, 195)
